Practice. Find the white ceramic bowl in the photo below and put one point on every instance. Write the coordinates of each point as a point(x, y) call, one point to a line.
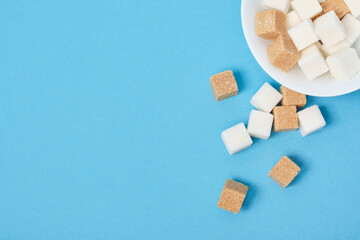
point(324, 86)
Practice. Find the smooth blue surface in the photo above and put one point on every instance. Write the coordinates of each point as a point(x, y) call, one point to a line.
point(109, 129)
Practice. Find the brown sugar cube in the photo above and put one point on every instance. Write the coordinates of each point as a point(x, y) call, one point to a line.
point(285, 119)
point(223, 85)
point(232, 196)
point(339, 7)
point(270, 24)
point(292, 98)
point(284, 172)
point(283, 54)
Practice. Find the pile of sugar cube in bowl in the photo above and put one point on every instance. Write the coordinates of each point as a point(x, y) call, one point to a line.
point(319, 36)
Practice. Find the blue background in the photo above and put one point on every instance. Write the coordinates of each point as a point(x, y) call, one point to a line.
point(109, 129)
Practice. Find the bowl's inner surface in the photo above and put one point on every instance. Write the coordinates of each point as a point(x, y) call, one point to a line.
point(295, 79)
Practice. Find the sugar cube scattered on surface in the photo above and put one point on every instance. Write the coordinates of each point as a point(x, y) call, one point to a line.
point(270, 24)
point(352, 28)
point(338, 6)
point(266, 98)
point(312, 62)
point(303, 35)
point(260, 124)
point(292, 19)
point(310, 120)
point(306, 8)
point(344, 64)
point(236, 138)
point(232, 196)
point(283, 54)
point(282, 5)
point(329, 29)
point(285, 119)
point(292, 98)
point(354, 6)
point(284, 172)
point(223, 85)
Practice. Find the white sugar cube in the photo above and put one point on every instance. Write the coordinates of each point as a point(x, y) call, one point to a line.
point(327, 51)
point(266, 98)
point(344, 64)
point(310, 120)
point(352, 28)
point(303, 35)
point(236, 138)
point(282, 5)
point(260, 124)
point(354, 6)
point(312, 62)
point(306, 8)
point(329, 29)
point(292, 19)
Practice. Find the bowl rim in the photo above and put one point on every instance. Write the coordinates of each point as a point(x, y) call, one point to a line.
point(311, 92)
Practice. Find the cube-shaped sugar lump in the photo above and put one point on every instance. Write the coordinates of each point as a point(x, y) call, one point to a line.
point(327, 51)
point(260, 124)
point(285, 119)
point(281, 5)
point(354, 6)
point(232, 196)
point(306, 9)
point(236, 138)
point(352, 28)
point(344, 64)
point(266, 98)
point(303, 34)
point(284, 172)
point(292, 98)
point(338, 6)
point(283, 54)
point(223, 85)
point(312, 62)
point(292, 19)
point(270, 24)
point(329, 29)
point(310, 120)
